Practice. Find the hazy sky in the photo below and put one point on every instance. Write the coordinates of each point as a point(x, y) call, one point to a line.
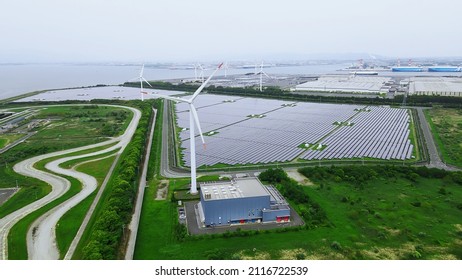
point(175, 30)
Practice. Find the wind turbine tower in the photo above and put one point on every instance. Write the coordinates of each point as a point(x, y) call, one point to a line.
point(225, 66)
point(261, 76)
point(195, 72)
point(201, 73)
point(141, 79)
point(193, 121)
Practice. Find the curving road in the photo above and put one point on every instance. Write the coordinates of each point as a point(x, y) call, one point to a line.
point(41, 237)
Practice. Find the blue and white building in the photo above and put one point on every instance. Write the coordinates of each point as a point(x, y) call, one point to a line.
point(241, 201)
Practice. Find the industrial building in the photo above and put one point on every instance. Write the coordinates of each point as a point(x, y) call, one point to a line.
point(347, 83)
point(240, 201)
point(443, 86)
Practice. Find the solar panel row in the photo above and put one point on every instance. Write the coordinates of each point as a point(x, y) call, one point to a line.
point(381, 133)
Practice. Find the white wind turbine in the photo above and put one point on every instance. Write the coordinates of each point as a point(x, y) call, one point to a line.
point(193, 121)
point(225, 67)
point(261, 76)
point(201, 73)
point(141, 79)
point(195, 72)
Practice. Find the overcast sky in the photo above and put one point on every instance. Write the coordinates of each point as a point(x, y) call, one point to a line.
point(190, 30)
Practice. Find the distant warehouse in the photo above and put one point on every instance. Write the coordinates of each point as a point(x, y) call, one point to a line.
point(443, 86)
point(347, 84)
point(241, 201)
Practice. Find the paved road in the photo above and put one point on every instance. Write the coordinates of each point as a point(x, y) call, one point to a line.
point(139, 199)
point(5, 194)
point(41, 237)
point(17, 142)
point(165, 168)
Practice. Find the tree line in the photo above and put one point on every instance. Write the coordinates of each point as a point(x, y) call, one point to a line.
point(310, 210)
point(278, 93)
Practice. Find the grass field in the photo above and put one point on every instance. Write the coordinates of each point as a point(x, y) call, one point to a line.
point(384, 218)
point(30, 190)
point(446, 125)
point(70, 223)
point(87, 124)
point(6, 139)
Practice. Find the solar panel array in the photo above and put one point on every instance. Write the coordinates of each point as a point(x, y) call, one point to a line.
point(276, 131)
point(381, 133)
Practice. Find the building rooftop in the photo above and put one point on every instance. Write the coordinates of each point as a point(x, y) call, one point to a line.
point(238, 188)
point(345, 83)
point(435, 84)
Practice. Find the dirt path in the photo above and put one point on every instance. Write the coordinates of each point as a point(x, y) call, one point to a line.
point(299, 178)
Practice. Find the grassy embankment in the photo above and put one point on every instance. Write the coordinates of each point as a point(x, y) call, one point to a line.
point(446, 126)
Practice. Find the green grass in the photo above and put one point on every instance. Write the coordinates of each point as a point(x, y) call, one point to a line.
point(70, 222)
point(72, 163)
point(41, 164)
point(3, 142)
point(73, 126)
point(6, 139)
point(23, 197)
point(31, 189)
point(446, 126)
point(375, 221)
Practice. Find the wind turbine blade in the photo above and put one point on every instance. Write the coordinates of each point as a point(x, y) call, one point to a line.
point(147, 82)
point(196, 93)
point(267, 75)
point(142, 71)
point(134, 79)
point(196, 120)
point(170, 97)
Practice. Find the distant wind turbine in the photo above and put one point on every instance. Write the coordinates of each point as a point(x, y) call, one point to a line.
point(261, 76)
point(201, 73)
point(225, 66)
point(141, 79)
point(193, 121)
